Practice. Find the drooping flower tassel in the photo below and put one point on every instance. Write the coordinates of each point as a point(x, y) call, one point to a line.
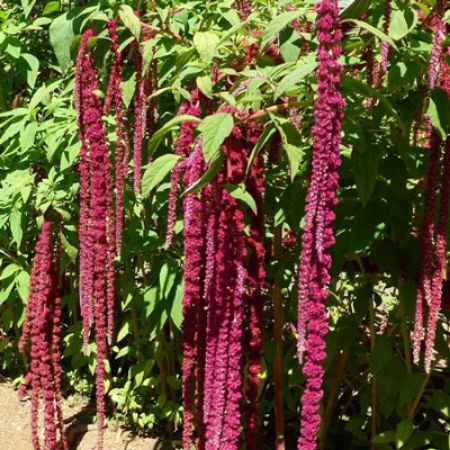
point(438, 26)
point(225, 312)
point(440, 252)
point(384, 44)
point(139, 118)
point(256, 276)
point(83, 76)
point(42, 330)
point(427, 248)
point(184, 145)
point(318, 237)
point(114, 97)
point(193, 233)
point(99, 216)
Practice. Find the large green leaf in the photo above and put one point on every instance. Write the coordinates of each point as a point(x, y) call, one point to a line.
point(278, 23)
point(373, 30)
point(205, 43)
point(130, 20)
point(215, 129)
point(365, 162)
point(157, 171)
point(294, 78)
point(214, 167)
point(61, 37)
point(353, 9)
point(159, 135)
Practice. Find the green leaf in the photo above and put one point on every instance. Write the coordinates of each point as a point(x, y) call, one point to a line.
point(123, 352)
point(353, 85)
point(23, 283)
point(27, 136)
point(365, 163)
point(292, 144)
point(403, 432)
point(128, 87)
point(9, 270)
point(71, 250)
point(157, 137)
point(206, 43)
point(124, 331)
point(27, 6)
point(32, 68)
point(213, 169)
point(157, 171)
point(61, 37)
point(294, 78)
point(204, 83)
point(381, 354)
point(130, 20)
point(354, 9)
point(439, 112)
point(440, 402)
point(51, 7)
point(373, 30)
point(278, 23)
point(176, 312)
point(267, 133)
point(239, 192)
point(15, 225)
point(384, 438)
point(215, 129)
point(403, 21)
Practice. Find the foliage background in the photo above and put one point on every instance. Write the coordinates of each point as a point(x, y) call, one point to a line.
point(372, 295)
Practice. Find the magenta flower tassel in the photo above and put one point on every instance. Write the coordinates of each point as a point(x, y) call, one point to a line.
point(441, 246)
point(42, 330)
point(193, 290)
point(139, 118)
point(427, 251)
point(318, 237)
point(114, 96)
point(100, 216)
point(183, 148)
point(384, 44)
point(83, 76)
point(436, 51)
point(256, 276)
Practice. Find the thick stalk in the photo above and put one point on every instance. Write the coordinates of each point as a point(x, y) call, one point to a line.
point(373, 419)
point(332, 398)
point(404, 330)
point(277, 337)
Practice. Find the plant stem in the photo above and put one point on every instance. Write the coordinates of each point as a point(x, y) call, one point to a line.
point(418, 397)
point(332, 398)
point(404, 331)
point(277, 337)
point(373, 420)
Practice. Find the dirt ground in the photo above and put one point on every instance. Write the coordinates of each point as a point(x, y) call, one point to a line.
point(81, 433)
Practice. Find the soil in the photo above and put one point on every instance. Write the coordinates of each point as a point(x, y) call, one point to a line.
point(80, 431)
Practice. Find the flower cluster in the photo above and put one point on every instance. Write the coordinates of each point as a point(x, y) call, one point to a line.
point(438, 26)
point(317, 238)
point(42, 330)
point(114, 97)
point(256, 276)
point(433, 241)
point(139, 117)
point(385, 45)
point(96, 220)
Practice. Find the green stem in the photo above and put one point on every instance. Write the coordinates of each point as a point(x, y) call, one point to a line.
point(373, 420)
point(404, 331)
point(277, 337)
point(334, 393)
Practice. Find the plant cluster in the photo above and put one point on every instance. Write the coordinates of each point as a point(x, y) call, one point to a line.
point(246, 204)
